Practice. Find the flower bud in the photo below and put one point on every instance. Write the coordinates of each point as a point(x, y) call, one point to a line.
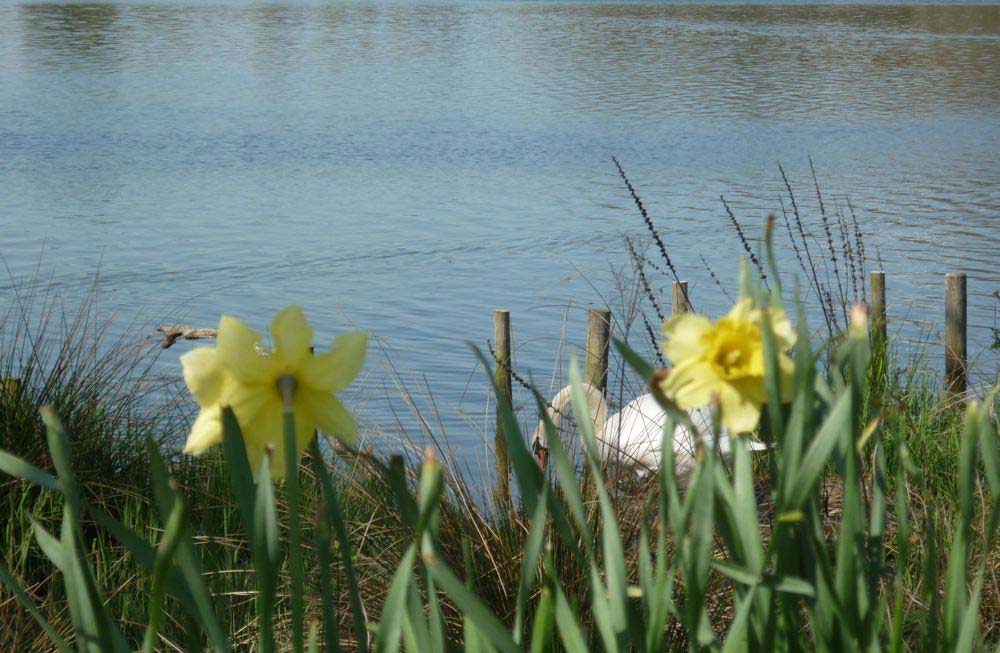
point(859, 315)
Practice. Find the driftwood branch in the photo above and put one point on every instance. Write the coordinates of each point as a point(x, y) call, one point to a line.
point(172, 334)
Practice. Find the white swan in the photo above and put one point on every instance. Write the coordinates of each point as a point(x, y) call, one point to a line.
point(634, 437)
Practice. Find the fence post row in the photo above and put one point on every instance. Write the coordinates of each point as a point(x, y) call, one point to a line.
point(599, 337)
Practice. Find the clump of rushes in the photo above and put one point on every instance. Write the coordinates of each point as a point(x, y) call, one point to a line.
point(708, 571)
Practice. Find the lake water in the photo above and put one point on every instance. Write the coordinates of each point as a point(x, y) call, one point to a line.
point(409, 167)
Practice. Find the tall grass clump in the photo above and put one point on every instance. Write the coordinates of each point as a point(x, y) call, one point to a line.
point(102, 383)
point(745, 554)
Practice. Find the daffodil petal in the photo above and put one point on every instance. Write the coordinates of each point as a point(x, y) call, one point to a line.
point(261, 420)
point(691, 384)
point(740, 414)
point(329, 415)
point(237, 350)
point(782, 327)
point(262, 430)
point(205, 432)
point(203, 375)
point(751, 387)
point(292, 336)
point(334, 370)
point(741, 311)
point(684, 332)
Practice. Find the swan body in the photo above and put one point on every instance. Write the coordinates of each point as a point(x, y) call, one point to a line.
point(634, 437)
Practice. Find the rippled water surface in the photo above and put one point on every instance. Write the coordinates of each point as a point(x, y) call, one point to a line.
point(410, 167)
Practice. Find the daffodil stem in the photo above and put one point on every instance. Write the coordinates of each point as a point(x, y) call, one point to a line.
point(295, 567)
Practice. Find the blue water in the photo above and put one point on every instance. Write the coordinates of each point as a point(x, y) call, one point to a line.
point(407, 168)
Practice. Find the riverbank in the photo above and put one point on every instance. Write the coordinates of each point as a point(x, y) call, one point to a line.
point(98, 391)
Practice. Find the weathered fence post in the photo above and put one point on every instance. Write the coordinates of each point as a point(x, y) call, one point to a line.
point(955, 361)
point(598, 339)
point(501, 330)
point(681, 303)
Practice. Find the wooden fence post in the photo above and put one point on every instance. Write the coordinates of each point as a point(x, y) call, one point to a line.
point(680, 299)
point(501, 329)
point(598, 339)
point(955, 361)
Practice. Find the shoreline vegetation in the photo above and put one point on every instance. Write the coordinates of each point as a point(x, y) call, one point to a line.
point(869, 522)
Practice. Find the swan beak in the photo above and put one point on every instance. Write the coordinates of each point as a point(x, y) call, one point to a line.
point(543, 457)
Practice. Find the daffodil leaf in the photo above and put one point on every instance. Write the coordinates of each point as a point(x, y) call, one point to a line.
point(238, 465)
point(634, 360)
point(569, 629)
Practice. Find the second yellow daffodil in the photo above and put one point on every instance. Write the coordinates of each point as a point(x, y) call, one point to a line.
point(725, 361)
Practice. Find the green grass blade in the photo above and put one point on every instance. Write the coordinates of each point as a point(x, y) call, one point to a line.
point(902, 556)
point(989, 447)
point(18, 468)
point(491, 628)
point(570, 486)
point(51, 547)
point(312, 644)
point(745, 507)
point(818, 454)
point(737, 635)
point(569, 630)
point(162, 566)
point(738, 573)
point(99, 630)
point(470, 635)
point(190, 588)
point(614, 555)
point(435, 620)
point(323, 542)
point(969, 626)
point(390, 627)
point(416, 633)
point(529, 561)
point(85, 608)
point(956, 596)
point(930, 634)
point(542, 629)
point(266, 555)
point(772, 376)
point(634, 360)
point(334, 515)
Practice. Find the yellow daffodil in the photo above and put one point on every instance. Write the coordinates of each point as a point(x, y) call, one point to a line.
point(725, 361)
point(241, 374)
